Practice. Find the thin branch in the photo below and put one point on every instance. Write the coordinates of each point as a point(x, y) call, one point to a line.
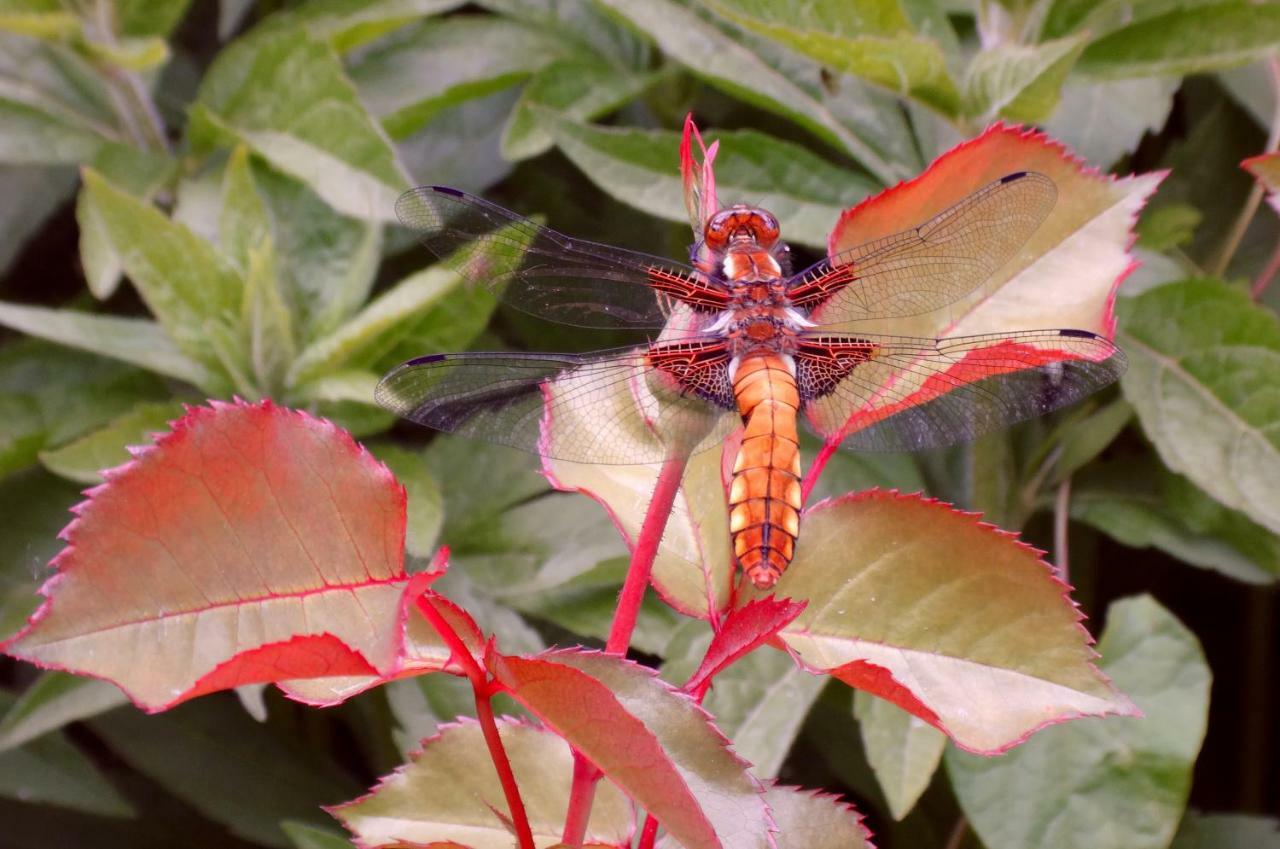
point(581, 796)
point(1219, 266)
point(648, 833)
point(815, 470)
point(642, 556)
point(1265, 276)
point(1061, 523)
point(958, 831)
point(483, 692)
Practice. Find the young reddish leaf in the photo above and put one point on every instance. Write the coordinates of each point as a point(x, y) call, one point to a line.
point(1067, 273)
point(699, 177)
point(949, 618)
point(449, 794)
point(252, 543)
point(1266, 169)
point(743, 631)
point(646, 737)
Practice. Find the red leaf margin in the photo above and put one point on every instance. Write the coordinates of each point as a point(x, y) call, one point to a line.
point(742, 631)
point(879, 681)
point(322, 654)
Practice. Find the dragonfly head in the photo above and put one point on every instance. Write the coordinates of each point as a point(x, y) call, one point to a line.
point(741, 223)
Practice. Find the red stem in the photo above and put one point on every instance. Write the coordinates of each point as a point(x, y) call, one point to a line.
point(484, 713)
point(642, 556)
point(1265, 277)
point(648, 833)
point(815, 470)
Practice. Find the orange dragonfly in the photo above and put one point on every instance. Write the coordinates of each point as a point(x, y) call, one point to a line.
point(742, 341)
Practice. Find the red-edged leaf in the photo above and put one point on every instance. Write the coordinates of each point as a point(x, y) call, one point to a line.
point(1266, 169)
point(743, 631)
point(1065, 276)
point(449, 794)
point(651, 740)
point(699, 177)
point(808, 819)
point(250, 544)
point(947, 617)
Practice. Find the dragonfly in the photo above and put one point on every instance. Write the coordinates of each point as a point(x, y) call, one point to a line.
point(737, 339)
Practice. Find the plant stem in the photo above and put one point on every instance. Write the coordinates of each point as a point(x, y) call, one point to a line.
point(1267, 274)
point(581, 796)
point(1061, 522)
point(815, 470)
point(958, 832)
point(625, 615)
point(642, 556)
point(483, 692)
point(1219, 266)
point(648, 833)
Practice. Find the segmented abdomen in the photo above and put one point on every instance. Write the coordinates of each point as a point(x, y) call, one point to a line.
point(764, 496)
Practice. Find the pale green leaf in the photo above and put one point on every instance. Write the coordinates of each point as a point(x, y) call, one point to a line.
point(266, 321)
point(138, 172)
point(426, 503)
point(423, 704)
point(183, 280)
point(1084, 440)
point(54, 700)
point(1186, 41)
point(451, 61)
point(869, 39)
point(461, 147)
point(639, 167)
point(581, 88)
point(38, 19)
point(105, 448)
point(788, 85)
point(53, 105)
point(35, 505)
point(810, 820)
point(348, 24)
point(140, 18)
point(1118, 782)
point(1204, 376)
point(904, 750)
point(28, 196)
point(51, 771)
point(1104, 120)
point(920, 608)
point(306, 836)
point(377, 327)
point(1022, 82)
point(450, 792)
point(242, 224)
point(285, 94)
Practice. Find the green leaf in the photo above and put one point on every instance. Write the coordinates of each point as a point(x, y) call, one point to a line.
point(140, 173)
point(454, 60)
point(1122, 782)
point(364, 339)
point(1204, 367)
point(28, 196)
point(305, 836)
point(1186, 41)
point(53, 701)
point(760, 702)
point(51, 771)
point(1142, 504)
point(1169, 226)
point(647, 738)
point(266, 321)
point(243, 224)
point(1085, 439)
point(82, 459)
point(232, 769)
point(581, 88)
point(809, 820)
point(426, 502)
point(53, 106)
point(138, 18)
point(639, 167)
point(871, 39)
point(450, 793)
point(1226, 831)
point(424, 704)
point(285, 94)
point(1102, 120)
point(50, 395)
point(908, 616)
point(852, 119)
point(38, 19)
point(348, 24)
point(904, 750)
point(34, 504)
point(1021, 82)
point(461, 145)
point(183, 280)
point(136, 341)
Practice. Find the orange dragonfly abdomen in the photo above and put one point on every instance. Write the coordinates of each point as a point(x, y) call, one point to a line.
point(764, 496)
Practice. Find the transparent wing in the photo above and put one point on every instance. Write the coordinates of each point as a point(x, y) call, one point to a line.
point(547, 274)
point(902, 394)
point(611, 407)
point(933, 265)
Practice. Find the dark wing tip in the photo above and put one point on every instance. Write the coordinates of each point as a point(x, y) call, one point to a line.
point(1016, 175)
point(429, 358)
point(446, 190)
point(1078, 334)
